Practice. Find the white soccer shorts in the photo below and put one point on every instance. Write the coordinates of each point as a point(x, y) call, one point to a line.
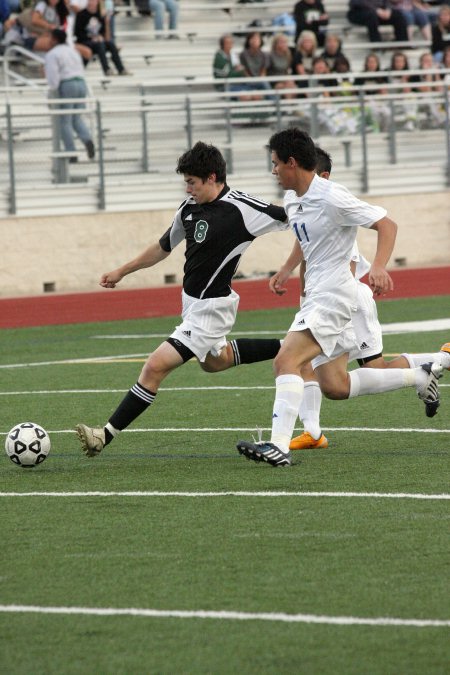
point(206, 323)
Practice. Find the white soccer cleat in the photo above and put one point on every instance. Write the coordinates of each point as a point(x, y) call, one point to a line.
point(92, 440)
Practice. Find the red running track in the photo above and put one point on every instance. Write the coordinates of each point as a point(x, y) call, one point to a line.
point(115, 305)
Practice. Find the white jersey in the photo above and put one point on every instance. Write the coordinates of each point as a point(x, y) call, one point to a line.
point(324, 220)
point(362, 264)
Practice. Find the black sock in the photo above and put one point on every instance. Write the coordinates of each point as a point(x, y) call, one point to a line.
point(134, 403)
point(252, 350)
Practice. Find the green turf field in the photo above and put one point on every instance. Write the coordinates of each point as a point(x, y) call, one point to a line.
point(227, 573)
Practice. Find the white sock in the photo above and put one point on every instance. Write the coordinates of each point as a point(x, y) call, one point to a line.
point(416, 360)
point(375, 381)
point(310, 409)
point(289, 392)
point(112, 430)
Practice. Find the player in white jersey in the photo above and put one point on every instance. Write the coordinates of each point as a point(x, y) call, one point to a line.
point(324, 216)
point(369, 349)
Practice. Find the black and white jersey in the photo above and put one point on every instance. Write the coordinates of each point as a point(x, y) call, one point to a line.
point(217, 233)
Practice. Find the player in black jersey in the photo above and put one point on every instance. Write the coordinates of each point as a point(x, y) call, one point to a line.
point(218, 225)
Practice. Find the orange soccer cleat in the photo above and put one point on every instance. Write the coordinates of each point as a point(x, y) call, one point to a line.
point(446, 350)
point(306, 442)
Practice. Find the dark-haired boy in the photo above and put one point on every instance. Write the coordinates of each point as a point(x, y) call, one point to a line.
point(218, 224)
point(325, 216)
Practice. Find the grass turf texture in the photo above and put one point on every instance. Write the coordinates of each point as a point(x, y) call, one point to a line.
point(360, 557)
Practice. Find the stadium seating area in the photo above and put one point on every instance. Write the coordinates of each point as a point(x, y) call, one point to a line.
point(143, 122)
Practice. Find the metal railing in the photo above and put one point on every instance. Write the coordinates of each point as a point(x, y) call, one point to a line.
point(142, 135)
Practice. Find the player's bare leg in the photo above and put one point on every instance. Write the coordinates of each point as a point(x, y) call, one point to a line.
point(159, 364)
point(240, 351)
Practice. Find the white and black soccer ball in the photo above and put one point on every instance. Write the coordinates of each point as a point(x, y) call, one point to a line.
point(27, 444)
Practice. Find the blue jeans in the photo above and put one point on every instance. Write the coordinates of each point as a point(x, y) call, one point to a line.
point(157, 8)
point(73, 122)
point(415, 17)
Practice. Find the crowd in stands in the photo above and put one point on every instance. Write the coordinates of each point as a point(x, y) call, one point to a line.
point(89, 25)
point(311, 49)
point(317, 52)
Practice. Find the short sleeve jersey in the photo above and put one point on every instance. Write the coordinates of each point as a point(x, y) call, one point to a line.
point(362, 264)
point(324, 220)
point(217, 233)
point(48, 13)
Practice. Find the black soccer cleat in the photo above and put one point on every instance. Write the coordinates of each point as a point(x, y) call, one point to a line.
point(430, 394)
point(264, 452)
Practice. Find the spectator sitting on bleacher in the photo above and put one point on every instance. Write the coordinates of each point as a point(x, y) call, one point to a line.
point(375, 13)
point(320, 67)
point(311, 15)
point(434, 110)
point(158, 7)
point(440, 33)
point(64, 71)
point(415, 16)
point(408, 109)
point(33, 27)
point(346, 118)
point(226, 65)
point(335, 118)
point(91, 29)
point(342, 65)
point(280, 63)
point(304, 55)
point(333, 48)
point(254, 59)
point(5, 12)
point(379, 110)
point(446, 64)
point(372, 65)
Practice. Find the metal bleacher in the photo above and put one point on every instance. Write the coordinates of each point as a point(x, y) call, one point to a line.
point(143, 122)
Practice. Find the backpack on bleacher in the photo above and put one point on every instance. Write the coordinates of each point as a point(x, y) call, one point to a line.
point(285, 21)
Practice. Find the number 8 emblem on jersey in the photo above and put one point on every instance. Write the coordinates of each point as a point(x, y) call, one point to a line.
point(201, 228)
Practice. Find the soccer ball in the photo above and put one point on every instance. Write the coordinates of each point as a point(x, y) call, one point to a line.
point(27, 444)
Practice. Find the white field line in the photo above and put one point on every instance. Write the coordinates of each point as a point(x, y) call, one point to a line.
point(150, 336)
point(229, 616)
point(391, 329)
point(387, 328)
point(250, 430)
point(107, 391)
point(92, 359)
point(57, 392)
point(154, 493)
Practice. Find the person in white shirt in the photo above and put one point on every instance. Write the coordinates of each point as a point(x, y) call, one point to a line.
point(324, 217)
point(369, 351)
point(64, 71)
